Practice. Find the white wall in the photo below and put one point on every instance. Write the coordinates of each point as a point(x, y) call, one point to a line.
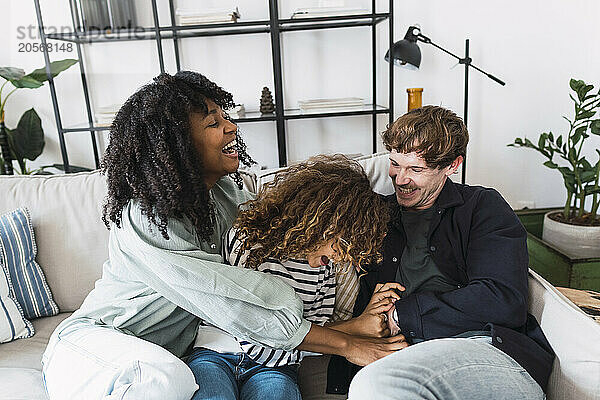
point(535, 46)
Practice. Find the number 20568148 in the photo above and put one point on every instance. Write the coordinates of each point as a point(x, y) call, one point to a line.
point(49, 47)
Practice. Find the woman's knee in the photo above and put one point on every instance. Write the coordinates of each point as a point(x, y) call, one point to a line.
point(170, 379)
point(102, 363)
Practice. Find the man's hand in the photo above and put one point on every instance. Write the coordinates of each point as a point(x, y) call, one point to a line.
point(362, 351)
point(373, 322)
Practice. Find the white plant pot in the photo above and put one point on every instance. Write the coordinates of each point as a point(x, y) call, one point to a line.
point(574, 240)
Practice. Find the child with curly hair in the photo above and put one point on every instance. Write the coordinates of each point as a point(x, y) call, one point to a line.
point(312, 214)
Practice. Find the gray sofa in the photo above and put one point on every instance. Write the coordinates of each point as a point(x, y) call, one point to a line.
point(72, 245)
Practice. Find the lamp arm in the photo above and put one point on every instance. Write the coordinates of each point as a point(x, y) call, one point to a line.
point(492, 77)
point(467, 61)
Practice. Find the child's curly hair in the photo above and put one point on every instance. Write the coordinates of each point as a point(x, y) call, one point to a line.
point(151, 158)
point(307, 205)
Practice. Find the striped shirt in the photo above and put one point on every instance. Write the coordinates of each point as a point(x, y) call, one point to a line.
point(347, 286)
point(314, 286)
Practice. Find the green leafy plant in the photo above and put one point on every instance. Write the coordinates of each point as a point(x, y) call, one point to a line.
point(580, 177)
point(26, 140)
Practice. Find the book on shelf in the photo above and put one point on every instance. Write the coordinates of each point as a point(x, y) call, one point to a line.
point(196, 17)
point(313, 12)
point(331, 105)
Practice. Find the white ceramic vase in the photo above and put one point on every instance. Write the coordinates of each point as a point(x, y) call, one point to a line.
point(573, 240)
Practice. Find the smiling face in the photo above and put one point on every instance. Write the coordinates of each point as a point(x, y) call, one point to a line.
point(214, 137)
point(417, 186)
point(322, 255)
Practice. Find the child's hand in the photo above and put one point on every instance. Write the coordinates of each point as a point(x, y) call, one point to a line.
point(374, 321)
point(386, 290)
point(363, 351)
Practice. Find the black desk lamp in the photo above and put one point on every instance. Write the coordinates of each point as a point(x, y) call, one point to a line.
point(406, 53)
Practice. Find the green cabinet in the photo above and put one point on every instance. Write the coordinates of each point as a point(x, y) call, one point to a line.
point(551, 263)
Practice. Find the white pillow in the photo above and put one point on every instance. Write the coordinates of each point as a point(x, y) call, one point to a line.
point(13, 324)
point(375, 165)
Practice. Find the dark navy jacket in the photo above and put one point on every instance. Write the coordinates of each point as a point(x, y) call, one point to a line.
point(478, 242)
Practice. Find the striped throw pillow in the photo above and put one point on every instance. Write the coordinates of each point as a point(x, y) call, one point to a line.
point(13, 324)
point(17, 255)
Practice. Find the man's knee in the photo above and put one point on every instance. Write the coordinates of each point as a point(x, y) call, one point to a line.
point(389, 377)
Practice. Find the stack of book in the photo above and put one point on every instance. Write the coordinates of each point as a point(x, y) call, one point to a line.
point(104, 15)
point(195, 17)
point(331, 105)
point(327, 12)
point(104, 115)
point(238, 111)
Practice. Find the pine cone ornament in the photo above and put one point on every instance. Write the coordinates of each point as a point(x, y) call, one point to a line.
point(266, 102)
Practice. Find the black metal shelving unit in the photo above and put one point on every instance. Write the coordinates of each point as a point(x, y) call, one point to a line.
point(275, 26)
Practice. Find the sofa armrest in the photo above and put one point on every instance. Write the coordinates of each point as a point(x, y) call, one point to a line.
point(574, 337)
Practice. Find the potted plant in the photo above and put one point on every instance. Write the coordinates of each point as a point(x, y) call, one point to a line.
point(26, 141)
point(573, 230)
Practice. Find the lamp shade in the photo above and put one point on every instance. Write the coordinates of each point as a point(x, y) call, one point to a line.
point(405, 53)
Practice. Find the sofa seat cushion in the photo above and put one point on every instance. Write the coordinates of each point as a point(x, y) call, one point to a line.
point(22, 384)
point(27, 353)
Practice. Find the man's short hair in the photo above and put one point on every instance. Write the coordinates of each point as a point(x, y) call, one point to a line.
point(435, 133)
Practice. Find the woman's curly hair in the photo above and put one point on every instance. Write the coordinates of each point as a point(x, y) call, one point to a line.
point(307, 205)
point(151, 158)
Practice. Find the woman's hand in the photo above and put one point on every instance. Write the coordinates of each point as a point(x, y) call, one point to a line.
point(362, 351)
point(373, 322)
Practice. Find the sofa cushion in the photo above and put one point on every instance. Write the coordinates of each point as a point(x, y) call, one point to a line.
point(66, 213)
point(312, 379)
point(17, 254)
point(575, 338)
point(13, 324)
point(22, 384)
point(27, 353)
point(375, 165)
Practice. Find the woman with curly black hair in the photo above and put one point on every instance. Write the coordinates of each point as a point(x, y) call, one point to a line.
point(169, 202)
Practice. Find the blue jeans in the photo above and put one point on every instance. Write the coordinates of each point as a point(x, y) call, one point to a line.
point(449, 369)
point(236, 376)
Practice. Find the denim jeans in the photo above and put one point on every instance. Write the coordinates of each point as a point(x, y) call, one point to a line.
point(236, 376)
point(91, 362)
point(448, 369)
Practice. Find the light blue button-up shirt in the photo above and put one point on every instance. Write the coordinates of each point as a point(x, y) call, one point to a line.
point(156, 289)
